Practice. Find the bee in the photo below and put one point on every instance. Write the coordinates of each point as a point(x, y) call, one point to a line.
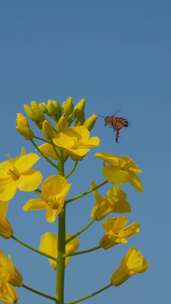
point(115, 122)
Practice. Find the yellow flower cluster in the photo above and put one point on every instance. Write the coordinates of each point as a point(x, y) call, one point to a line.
point(75, 141)
point(66, 135)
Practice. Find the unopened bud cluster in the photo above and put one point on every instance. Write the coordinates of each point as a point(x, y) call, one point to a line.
point(51, 117)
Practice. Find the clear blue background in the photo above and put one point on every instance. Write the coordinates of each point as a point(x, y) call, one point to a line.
point(117, 55)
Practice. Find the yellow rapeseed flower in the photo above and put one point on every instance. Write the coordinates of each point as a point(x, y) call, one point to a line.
point(120, 170)
point(9, 278)
point(115, 200)
point(76, 141)
point(49, 245)
point(5, 227)
point(117, 232)
point(17, 174)
point(54, 190)
point(101, 207)
point(133, 263)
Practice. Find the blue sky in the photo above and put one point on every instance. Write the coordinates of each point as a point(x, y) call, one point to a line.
point(117, 55)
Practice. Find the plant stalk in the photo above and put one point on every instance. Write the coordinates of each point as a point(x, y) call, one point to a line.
point(42, 294)
point(90, 295)
point(60, 267)
point(75, 198)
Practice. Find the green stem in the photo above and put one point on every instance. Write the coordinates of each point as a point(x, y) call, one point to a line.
point(81, 231)
point(56, 149)
point(38, 190)
point(84, 251)
point(41, 139)
point(86, 193)
point(60, 267)
point(31, 248)
point(90, 295)
point(48, 160)
point(72, 169)
point(42, 294)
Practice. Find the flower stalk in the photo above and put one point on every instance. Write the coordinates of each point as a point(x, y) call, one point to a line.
point(84, 251)
point(85, 228)
point(48, 160)
point(91, 295)
point(75, 198)
point(60, 268)
point(72, 169)
point(26, 245)
point(42, 294)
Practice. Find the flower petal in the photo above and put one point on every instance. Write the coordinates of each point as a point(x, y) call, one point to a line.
point(5, 166)
point(5, 227)
point(81, 132)
point(63, 140)
point(108, 157)
point(130, 230)
point(30, 181)
point(48, 151)
point(115, 175)
point(72, 246)
point(7, 189)
point(115, 223)
point(48, 245)
point(34, 204)
point(55, 185)
point(118, 200)
point(135, 261)
point(25, 162)
point(51, 214)
point(136, 182)
point(93, 142)
point(77, 154)
point(8, 294)
point(15, 276)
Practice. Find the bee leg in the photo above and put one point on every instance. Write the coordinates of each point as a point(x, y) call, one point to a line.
point(117, 136)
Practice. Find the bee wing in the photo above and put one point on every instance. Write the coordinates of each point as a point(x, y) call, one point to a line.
point(116, 113)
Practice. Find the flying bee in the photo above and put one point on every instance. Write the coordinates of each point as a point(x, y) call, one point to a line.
point(115, 122)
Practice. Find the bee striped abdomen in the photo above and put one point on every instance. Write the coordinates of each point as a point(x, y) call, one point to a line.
point(119, 122)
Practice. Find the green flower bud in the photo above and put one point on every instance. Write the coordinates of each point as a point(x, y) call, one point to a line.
point(62, 123)
point(42, 107)
point(67, 106)
point(53, 108)
point(48, 130)
point(34, 111)
point(79, 111)
point(90, 122)
point(22, 126)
